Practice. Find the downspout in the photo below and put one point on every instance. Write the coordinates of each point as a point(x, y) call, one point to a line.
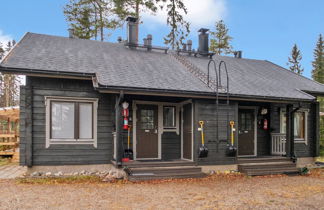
point(290, 136)
point(118, 127)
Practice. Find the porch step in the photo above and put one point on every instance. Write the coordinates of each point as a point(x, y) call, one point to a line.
point(271, 171)
point(167, 176)
point(246, 166)
point(262, 159)
point(150, 173)
point(268, 166)
point(165, 170)
point(141, 164)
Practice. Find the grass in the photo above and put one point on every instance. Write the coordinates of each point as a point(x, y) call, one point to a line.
point(320, 159)
point(4, 161)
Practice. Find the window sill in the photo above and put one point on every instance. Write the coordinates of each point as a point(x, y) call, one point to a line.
point(169, 129)
point(72, 142)
point(300, 141)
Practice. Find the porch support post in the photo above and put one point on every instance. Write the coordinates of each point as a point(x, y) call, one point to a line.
point(289, 130)
point(29, 121)
point(119, 124)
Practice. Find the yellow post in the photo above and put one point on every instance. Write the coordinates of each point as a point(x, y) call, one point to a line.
point(202, 132)
point(232, 132)
point(128, 137)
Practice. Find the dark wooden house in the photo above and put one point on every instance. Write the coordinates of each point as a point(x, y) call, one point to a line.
point(71, 106)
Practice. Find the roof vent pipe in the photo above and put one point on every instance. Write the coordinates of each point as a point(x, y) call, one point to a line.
point(184, 46)
point(132, 31)
point(119, 39)
point(149, 41)
point(71, 33)
point(203, 41)
point(189, 45)
point(145, 42)
point(238, 54)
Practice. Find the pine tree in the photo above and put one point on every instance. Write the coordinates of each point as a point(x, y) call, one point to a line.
point(220, 40)
point(88, 17)
point(179, 27)
point(2, 51)
point(294, 60)
point(9, 83)
point(318, 63)
point(318, 75)
point(124, 8)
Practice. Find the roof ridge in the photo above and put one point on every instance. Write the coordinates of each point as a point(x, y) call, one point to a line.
point(295, 73)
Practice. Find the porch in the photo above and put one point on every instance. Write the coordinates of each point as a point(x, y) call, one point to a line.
point(160, 129)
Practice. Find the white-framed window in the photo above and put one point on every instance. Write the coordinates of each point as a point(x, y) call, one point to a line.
point(169, 117)
point(300, 124)
point(71, 120)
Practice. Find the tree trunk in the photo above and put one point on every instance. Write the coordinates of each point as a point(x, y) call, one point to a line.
point(137, 16)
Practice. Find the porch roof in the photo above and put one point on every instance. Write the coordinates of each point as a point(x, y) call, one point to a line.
point(115, 66)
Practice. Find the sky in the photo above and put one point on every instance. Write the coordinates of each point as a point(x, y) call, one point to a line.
point(262, 29)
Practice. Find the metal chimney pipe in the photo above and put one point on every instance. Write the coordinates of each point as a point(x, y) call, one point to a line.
point(145, 42)
point(184, 46)
point(132, 31)
point(71, 33)
point(238, 54)
point(189, 45)
point(119, 39)
point(203, 41)
point(149, 39)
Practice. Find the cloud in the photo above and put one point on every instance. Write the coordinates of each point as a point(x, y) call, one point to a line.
point(201, 13)
point(4, 38)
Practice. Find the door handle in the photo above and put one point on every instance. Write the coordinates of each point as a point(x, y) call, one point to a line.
point(156, 131)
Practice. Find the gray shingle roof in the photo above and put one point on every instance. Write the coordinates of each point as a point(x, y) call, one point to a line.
point(117, 66)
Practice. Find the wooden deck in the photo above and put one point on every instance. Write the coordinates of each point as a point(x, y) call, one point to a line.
point(9, 132)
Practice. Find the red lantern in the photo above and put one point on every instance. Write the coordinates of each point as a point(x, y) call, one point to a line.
point(265, 124)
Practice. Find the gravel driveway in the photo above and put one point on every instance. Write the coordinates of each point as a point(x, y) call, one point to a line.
point(220, 191)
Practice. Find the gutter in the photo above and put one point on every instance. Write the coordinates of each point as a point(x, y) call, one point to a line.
point(46, 73)
point(314, 93)
point(194, 94)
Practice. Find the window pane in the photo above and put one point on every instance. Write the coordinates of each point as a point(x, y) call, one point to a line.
point(85, 121)
point(283, 122)
point(62, 120)
point(147, 119)
point(299, 121)
point(169, 117)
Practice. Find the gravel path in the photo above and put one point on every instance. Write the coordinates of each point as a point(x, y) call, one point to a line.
point(220, 191)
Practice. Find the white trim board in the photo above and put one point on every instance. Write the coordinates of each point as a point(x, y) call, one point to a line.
point(50, 141)
point(192, 130)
